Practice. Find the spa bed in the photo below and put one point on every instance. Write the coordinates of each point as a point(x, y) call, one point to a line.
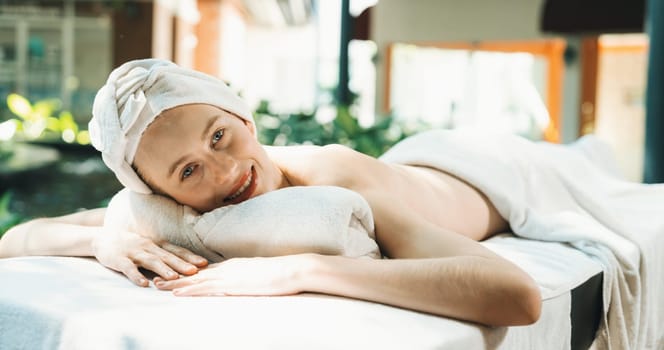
point(75, 303)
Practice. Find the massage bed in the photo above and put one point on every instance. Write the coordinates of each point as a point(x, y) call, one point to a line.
point(591, 241)
point(75, 303)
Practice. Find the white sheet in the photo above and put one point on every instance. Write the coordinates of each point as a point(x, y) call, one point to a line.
point(75, 303)
point(554, 193)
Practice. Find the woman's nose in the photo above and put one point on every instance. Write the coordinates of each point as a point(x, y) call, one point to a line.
point(223, 167)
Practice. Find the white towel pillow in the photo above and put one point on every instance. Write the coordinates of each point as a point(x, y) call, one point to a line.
point(316, 219)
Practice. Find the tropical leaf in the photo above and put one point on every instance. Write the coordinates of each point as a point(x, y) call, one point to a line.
point(45, 108)
point(67, 121)
point(4, 202)
point(53, 124)
point(8, 129)
point(19, 105)
point(83, 137)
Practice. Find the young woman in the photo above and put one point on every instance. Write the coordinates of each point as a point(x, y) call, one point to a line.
point(174, 132)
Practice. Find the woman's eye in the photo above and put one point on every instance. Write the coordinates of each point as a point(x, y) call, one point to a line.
point(187, 172)
point(217, 136)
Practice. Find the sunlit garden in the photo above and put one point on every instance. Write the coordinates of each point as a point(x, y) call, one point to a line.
point(47, 165)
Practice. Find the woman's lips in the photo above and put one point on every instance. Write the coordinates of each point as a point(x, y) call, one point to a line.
point(244, 189)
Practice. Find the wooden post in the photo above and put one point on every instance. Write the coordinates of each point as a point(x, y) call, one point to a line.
point(654, 150)
point(343, 93)
point(589, 60)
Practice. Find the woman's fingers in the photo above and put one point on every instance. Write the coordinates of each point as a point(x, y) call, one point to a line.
point(174, 262)
point(126, 251)
point(185, 254)
point(179, 283)
point(167, 260)
point(199, 289)
point(241, 276)
point(154, 263)
point(129, 269)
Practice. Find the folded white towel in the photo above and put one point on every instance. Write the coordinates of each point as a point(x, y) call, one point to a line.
point(316, 219)
point(135, 94)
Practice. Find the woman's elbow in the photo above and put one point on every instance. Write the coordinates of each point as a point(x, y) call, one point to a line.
point(527, 301)
point(5, 252)
point(12, 242)
point(516, 301)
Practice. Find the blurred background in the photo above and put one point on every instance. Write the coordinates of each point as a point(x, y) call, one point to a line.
point(365, 73)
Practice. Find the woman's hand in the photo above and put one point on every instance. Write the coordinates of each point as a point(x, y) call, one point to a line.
point(125, 252)
point(245, 276)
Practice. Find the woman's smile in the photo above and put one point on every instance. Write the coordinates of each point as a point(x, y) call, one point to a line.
point(244, 188)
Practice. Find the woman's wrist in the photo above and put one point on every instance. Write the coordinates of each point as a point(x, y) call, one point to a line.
point(327, 274)
point(310, 272)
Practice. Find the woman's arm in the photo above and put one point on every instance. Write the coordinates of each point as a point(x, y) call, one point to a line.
point(69, 235)
point(433, 271)
point(83, 234)
point(467, 288)
point(471, 288)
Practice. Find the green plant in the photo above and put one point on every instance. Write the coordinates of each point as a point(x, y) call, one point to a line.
point(44, 120)
point(7, 218)
point(304, 128)
point(7, 131)
point(5, 150)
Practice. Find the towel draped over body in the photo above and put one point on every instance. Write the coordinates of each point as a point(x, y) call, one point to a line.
point(557, 193)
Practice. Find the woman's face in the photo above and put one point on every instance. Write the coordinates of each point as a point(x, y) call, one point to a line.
point(205, 157)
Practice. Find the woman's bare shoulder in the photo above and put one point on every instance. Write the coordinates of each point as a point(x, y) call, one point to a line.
point(333, 165)
point(278, 153)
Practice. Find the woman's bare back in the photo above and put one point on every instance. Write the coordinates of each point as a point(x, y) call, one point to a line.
point(449, 202)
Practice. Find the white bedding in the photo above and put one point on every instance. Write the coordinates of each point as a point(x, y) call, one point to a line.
point(75, 303)
point(558, 193)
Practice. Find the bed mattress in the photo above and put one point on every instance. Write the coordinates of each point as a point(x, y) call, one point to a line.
point(75, 303)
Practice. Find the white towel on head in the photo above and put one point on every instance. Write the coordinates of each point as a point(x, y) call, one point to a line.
point(312, 219)
point(136, 93)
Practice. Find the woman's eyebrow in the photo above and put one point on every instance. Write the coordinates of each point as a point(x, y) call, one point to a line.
point(204, 135)
point(208, 126)
point(175, 165)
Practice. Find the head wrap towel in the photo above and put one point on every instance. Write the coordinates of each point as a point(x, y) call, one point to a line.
point(135, 94)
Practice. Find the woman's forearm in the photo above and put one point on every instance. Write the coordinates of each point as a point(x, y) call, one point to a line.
point(48, 237)
point(469, 288)
point(68, 235)
point(83, 234)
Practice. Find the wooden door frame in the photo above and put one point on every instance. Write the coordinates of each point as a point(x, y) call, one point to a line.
point(589, 70)
point(592, 49)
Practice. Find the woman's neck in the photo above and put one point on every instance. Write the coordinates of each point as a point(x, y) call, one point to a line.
point(291, 162)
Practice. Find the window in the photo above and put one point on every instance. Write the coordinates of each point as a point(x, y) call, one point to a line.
point(509, 86)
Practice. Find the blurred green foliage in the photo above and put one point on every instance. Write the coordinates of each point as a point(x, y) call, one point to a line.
point(5, 150)
point(44, 121)
point(344, 128)
point(7, 218)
